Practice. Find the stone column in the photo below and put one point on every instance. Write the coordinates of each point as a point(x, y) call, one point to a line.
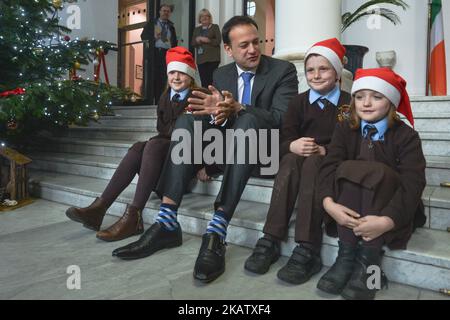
point(300, 24)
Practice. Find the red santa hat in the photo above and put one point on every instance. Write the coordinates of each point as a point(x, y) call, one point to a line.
point(180, 59)
point(388, 83)
point(332, 50)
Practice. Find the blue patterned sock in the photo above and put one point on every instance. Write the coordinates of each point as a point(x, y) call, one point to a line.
point(218, 224)
point(167, 217)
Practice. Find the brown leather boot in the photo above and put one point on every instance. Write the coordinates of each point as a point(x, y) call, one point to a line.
point(91, 217)
point(129, 224)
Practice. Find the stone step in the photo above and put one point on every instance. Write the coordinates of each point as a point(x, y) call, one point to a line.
point(134, 111)
point(431, 122)
point(438, 170)
point(111, 133)
point(108, 148)
point(257, 190)
point(118, 121)
point(430, 104)
point(426, 263)
point(435, 143)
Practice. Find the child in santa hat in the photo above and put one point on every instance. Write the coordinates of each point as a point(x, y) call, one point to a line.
point(144, 158)
point(371, 183)
point(306, 132)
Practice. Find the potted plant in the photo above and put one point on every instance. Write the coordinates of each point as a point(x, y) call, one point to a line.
point(355, 54)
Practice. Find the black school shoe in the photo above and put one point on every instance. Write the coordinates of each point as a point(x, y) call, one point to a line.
point(210, 262)
point(357, 287)
point(266, 253)
point(302, 265)
point(336, 278)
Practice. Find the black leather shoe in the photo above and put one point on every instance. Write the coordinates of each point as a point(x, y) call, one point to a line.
point(335, 279)
point(266, 253)
point(357, 287)
point(301, 266)
point(154, 239)
point(210, 262)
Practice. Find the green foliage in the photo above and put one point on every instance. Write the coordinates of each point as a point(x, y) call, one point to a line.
point(36, 54)
point(349, 18)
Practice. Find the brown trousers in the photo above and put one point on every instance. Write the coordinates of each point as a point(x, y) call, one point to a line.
point(366, 187)
point(145, 159)
point(296, 179)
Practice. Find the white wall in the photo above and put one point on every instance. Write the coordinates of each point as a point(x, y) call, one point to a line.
point(409, 40)
point(99, 21)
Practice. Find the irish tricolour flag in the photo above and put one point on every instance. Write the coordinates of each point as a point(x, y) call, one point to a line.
point(438, 74)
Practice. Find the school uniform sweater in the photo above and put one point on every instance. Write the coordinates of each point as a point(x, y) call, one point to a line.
point(401, 150)
point(304, 119)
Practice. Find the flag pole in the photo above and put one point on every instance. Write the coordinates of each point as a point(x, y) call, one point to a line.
point(427, 80)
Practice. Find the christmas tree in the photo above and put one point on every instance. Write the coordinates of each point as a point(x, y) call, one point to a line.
point(39, 86)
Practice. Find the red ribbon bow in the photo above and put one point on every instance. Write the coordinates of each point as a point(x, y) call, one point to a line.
point(15, 92)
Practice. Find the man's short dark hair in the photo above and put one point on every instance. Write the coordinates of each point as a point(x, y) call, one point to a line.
point(170, 6)
point(233, 22)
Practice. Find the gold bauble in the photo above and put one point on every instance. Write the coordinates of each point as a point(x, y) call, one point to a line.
point(77, 65)
point(133, 98)
point(57, 3)
point(95, 116)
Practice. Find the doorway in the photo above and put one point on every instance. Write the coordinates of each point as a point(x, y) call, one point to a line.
point(135, 65)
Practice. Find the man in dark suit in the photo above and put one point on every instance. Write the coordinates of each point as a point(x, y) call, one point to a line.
point(250, 94)
point(163, 32)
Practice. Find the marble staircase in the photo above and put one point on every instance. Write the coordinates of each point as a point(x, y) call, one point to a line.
point(75, 169)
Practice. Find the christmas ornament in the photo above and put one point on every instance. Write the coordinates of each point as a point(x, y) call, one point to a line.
point(38, 50)
point(12, 125)
point(95, 116)
point(57, 3)
point(77, 65)
point(100, 58)
point(133, 98)
point(15, 92)
point(67, 38)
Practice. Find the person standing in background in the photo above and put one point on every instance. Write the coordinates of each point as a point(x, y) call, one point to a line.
point(165, 38)
point(207, 39)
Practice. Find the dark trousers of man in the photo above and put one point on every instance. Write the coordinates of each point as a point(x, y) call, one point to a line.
point(175, 178)
point(145, 159)
point(367, 196)
point(296, 180)
point(206, 71)
point(160, 73)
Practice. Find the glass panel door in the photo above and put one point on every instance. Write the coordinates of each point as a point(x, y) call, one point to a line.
point(132, 18)
point(182, 20)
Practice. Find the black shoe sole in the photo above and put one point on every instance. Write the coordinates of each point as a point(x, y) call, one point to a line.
point(302, 281)
point(210, 279)
point(149, 253)
point(120, 239)
point(261, 272)
point(354, 295)
point(324, 285)
point(73, 217)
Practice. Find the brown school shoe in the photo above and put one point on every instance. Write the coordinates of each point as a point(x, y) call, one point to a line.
point(91, 217)
point(128, 225)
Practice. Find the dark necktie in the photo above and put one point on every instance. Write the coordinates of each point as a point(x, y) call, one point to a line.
point(369, 132)
point(247, 95)
point(164, 31)
point(176, 98)
point(325, 102)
